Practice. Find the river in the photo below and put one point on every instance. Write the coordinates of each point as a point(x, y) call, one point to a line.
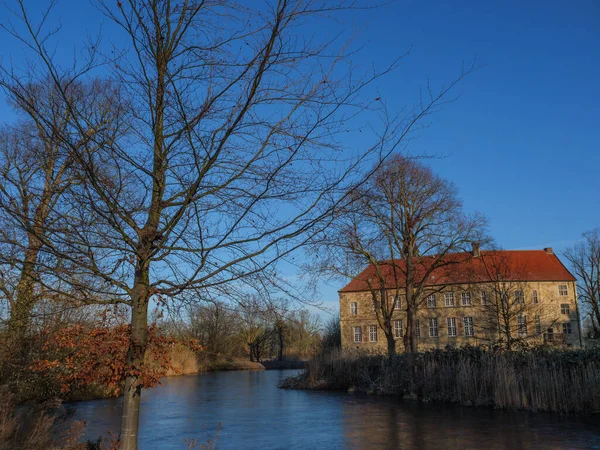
point(255, 414)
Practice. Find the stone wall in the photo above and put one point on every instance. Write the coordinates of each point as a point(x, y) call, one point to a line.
point(548, 309)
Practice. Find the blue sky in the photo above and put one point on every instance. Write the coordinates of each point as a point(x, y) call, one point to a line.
point(521, 141)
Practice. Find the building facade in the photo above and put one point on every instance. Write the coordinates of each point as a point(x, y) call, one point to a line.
point(487, 297)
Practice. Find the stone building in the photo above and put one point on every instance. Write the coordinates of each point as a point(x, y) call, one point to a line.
point(479, 297)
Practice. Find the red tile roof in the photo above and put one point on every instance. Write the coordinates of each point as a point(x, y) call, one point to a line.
point(462, 268)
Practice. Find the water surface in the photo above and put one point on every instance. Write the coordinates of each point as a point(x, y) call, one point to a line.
point(255, 414)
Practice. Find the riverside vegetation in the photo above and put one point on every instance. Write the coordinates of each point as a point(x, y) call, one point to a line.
point(538, 379)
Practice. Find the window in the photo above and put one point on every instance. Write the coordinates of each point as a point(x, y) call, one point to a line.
point(449, 298)
point(431, 303)
point(519, 297)
point(468, 326)
point(373, 333)
point(465, 298)
point(562, 289)
point(522, 325)
point(484, 298)
point(538, 325)
point(549, 335)
point(354, 308)
point(567, 328)
point(534, 296)
point(451, 326)
point(357, 334)
point(418, 329)
point(565, 309)
point(433, 327)
point(398, 328)
point(375, 306)
point(397, 302)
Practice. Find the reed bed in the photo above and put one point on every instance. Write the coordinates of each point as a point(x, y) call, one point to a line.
point(563, 381)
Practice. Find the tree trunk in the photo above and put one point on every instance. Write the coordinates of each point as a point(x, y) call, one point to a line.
point(391, 343)
point(20, 314)
point(281, 343)
point(135, 359)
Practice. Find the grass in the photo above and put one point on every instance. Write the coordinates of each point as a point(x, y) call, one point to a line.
point(37, 427)
point(536, 380)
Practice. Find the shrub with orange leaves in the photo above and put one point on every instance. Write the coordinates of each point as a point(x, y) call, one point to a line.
point(84, 356)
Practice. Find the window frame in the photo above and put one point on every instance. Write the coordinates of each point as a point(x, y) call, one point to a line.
point(519, 297)
point(538, 325)
point(451, 324)
point(434, 329)
point(534, 296)
point(360, 333)
point(373, 332)
point(468, 325)
point(449, 295)
point(565, 308)
point(484, 298)
point(431, 301)
point(563, 292)
point(465, 299)
point(567, 328)
point(353, 308)
point(398, 328)
point(522, 325)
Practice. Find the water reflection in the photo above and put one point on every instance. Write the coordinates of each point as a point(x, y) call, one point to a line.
point(255, 414)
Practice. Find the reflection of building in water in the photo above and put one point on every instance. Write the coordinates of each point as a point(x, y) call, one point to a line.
point(383, 423)
point(480, 297)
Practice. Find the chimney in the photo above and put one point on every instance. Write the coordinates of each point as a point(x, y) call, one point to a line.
point(476, 252)
point(549, 250)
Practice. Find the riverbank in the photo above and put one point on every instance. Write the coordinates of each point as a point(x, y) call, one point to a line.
point(186, 364)
point(535, 380)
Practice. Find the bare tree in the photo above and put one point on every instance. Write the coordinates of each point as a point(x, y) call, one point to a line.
point(406, 223)
point(510, 315)
point(226, 157)
point(584, 258)
point(36, 170)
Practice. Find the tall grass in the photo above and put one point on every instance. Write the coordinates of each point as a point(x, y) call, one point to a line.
point(36, 427)
point(535, 380)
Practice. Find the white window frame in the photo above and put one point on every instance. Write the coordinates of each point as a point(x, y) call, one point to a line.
point(484, 298)
point(433, 327)
point(565, 308)
point(534, 296)
point(431, 301)
point(452, 330)
point(567, 328)
point(372, 333)
point(448, 299)
point(353, 308)
point(358, 334)
point(563, 290)
point(397, 302)
point(519, 297)
point(522, 325)
point(465, 298)
point(398, 328)
point(469, 326)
